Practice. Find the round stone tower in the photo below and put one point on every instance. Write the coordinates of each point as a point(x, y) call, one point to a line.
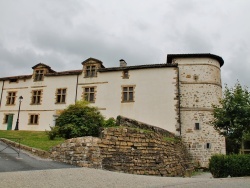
point(199, 88)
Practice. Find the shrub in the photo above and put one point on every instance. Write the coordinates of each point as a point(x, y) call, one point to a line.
point(109, 123)
point(79, 120)
point(234, 165)
point(218, 166)
point(239, 165)
point(52, 133)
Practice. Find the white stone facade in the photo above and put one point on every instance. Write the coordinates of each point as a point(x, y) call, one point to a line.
point(176, 96)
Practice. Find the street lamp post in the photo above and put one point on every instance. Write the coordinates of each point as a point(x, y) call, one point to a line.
point(17, 121)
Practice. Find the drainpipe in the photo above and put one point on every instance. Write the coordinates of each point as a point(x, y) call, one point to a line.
point(179, 96)
point(2, 93)
point(77, 77)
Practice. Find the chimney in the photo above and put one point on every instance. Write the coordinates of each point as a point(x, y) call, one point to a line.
point(123, 63)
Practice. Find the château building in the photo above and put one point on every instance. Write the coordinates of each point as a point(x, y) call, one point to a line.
point(177, 96)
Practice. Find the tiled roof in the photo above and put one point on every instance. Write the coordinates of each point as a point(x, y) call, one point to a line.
point(16, 77)
point(169, 63)
point(65, 73)
point(137, 67)
point(207, 55)
point(93, 59)
point(44, 65)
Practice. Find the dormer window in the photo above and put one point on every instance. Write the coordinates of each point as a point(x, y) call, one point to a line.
point(13, 80)
point(91, 66)
point(91, 71)
point(39, 74)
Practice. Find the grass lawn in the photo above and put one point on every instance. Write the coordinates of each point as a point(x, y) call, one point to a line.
point(35, 139)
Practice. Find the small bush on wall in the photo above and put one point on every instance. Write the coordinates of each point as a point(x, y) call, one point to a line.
point(222, 166)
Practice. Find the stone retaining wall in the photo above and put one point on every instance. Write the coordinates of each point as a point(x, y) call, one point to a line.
point(127, 150)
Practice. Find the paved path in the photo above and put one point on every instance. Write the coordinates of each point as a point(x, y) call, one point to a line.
point(44, 173)
point(9, 161)
point(94, 178)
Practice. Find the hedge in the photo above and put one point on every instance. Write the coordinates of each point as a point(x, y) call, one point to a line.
point(222, 166)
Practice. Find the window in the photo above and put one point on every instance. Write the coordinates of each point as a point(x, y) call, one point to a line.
point(89, 94)
point(208, 146)
point(5, 120)
point(39, 75)
point(91, 71)
point(33, 119)
point(197, 126)
point(128, 94)
point(13, 80)
point(36, 97)
point(125, 74)
point(60, 95)
point(11, 97)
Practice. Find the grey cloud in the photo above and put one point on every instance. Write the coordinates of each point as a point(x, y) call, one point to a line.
point(64, 33)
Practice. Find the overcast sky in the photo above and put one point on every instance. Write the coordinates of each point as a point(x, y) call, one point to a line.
point(63, 33)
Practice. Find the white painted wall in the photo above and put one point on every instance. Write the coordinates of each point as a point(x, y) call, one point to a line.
point(46, 110)
point(154, 95)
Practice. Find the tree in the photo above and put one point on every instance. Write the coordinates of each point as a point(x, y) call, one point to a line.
point(232, 116)
point(78, 120)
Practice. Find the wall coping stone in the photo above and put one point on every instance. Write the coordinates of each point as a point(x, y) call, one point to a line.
point(128, 122)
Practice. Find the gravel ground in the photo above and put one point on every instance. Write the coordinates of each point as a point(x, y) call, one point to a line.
point(94, 178)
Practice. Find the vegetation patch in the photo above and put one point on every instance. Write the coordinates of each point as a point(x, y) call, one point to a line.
point(170, 139)
point(78, 120)
point(232, 116)
point(222, 166)
point(141, 130)
point(35, 139)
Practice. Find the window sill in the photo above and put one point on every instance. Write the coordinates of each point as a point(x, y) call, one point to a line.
point(127, 101)
point(90, 76)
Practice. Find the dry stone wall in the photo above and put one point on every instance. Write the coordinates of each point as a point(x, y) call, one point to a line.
point(82, 151)
point(129, 150)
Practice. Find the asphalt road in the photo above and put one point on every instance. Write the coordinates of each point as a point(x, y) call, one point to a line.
point(9, 161)
point(28, 171)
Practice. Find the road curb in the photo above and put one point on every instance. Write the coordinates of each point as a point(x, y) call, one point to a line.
point(34, 151)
